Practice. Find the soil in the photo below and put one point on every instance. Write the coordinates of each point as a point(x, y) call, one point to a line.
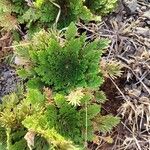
point(114, 100)
point(8, 80)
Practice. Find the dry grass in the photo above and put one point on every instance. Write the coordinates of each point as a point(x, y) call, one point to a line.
point(132, 50)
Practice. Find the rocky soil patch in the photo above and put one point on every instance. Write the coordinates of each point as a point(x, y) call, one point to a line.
point(8, 80)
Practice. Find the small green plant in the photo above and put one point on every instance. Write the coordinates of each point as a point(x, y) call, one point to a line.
point(50, 117)
point(101, 7)
point(44, 13)
point(11, 115)
point(66, 115)
point(14, 111)
point(62, 63)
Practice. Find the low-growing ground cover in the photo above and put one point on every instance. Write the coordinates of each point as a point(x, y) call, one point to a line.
point(75, 83)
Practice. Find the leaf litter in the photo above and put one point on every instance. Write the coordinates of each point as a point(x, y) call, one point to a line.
point(129, 31)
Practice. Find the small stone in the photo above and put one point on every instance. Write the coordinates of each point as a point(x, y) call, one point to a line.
point(8, 81)
point(148, 22)
point(138, 10)
point(145, 90)
point(147, 82)
point(146, 14)
point(124, 12)
point(143, 8)
point(143, 31)
point(134, 93)
point(131, 5)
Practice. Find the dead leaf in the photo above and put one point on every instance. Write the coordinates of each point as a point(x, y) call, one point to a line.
point(29, 137)
point(107, 139)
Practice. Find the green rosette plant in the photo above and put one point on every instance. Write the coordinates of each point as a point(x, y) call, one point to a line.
point(61, 62)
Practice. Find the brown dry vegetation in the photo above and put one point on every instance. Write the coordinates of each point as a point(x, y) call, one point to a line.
point(129, 96)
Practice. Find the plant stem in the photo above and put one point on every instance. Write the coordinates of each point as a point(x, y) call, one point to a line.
point(8, 131)
point(86, 124)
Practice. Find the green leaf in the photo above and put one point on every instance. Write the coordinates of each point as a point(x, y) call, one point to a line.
point(39, 3)
point(93, 110)
point(100, 96)
point(51, 116)
point(103, 43)
point(71, 31)
point(59, 100)
point(34, 83)
point(24, 73)
point(2, 147)
point(106, 123)
point(35, 97)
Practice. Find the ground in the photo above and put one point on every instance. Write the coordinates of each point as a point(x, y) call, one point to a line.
point(128, 96)
point(129, 30)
